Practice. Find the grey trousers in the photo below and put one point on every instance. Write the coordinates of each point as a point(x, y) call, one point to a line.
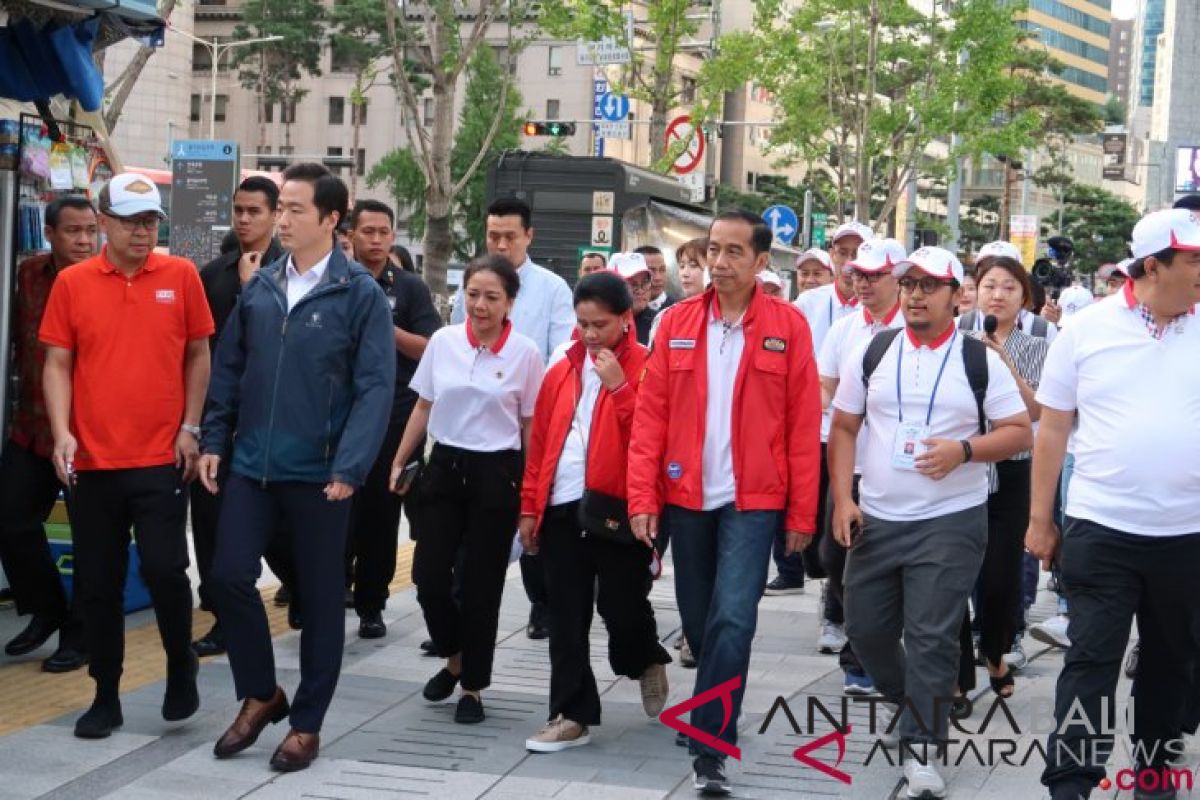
point(912, 580)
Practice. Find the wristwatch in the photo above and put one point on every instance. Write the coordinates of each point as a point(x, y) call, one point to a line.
point(968, 453)
point(194, 430)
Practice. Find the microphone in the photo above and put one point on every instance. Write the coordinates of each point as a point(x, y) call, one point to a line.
point(990, 323)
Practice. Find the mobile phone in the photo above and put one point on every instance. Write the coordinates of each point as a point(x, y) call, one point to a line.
point(1057, 293)
point(405, 480)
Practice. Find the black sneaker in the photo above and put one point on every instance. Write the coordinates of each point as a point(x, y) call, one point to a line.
point(440, 686)
point(469, 711)
point(428, 648)
point(99, 721)
point(539, 625)
point(182, 699)
point(371, 626)
point(708, 776)
point(778, 586)
point(211, 643)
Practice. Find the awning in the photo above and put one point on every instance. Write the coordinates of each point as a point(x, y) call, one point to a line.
point(46, 48)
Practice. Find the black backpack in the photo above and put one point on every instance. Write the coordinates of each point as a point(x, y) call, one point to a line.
point(974, 361)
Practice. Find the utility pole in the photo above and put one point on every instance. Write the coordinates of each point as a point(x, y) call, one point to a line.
point(710, 161)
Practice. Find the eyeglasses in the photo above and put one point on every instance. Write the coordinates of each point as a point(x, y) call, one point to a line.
point(639, 286)
point(148, 222)
point(928, 284)
point(869, 277)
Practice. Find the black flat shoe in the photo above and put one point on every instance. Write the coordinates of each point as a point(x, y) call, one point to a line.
point(427, 648)
point(67, 658)
point(469, 711)
point(440, 686)
point(211, 643)
point(36, 633)
point(181, 698)
point(1000, 684)
point(99, 721)
point(371, 626)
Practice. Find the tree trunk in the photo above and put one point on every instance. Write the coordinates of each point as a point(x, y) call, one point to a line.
point(439, 247)
point(128, 78)
point(1006, 198)
point(661, 107)
point(863, 167)
point(355, 98)
point(262, 101)
point(438, 192)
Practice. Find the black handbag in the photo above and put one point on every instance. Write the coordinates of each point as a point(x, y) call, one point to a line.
point(605, 517)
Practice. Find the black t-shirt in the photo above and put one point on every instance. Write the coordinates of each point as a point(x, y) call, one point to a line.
point(643, 322)
point(412, 311)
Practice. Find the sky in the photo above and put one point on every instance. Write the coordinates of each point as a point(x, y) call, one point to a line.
point(1124, 9)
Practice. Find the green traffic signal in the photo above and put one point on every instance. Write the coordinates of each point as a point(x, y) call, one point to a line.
point(549, 128)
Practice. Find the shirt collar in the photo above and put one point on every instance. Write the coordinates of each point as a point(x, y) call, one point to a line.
point(887, 318)
point(107, 267)
point(314, 274)
point(936, 344)
point(498, 345)
point(1132, 302)
point(716, 312)
point(841, 298)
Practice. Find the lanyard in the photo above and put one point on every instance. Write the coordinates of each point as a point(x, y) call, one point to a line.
point(831, 311)
point(936, 383)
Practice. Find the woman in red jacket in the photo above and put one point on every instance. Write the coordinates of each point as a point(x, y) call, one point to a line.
point(577, 445)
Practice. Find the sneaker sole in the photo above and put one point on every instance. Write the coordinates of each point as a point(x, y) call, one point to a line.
point(830, 649)
point(556, 747)
point(781, 592)
point(860, 691)
point(1016, 663)
point(711, 788)
point(925, 794)
point(1045, 638)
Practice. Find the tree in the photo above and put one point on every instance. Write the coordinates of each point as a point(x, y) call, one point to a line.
point(357, 41)
point(1114, 111)
point(400, 171)
point(865, 87)
point(1099, 224)
point(273, 70)
point(442, 37)
point(667, 24)
point(117, 92)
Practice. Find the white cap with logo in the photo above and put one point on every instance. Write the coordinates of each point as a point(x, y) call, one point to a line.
point(877, 255)
point(932, 261)
point(1074, 299)
point(628, 265)
point(130, 194)
point(1175, 229)
point(771, 277)
point(815, 254)
point(1000, 249)
point(863, 232)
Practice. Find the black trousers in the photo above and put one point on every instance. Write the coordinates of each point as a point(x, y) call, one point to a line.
point(250, 515)
point(582, 571)
point(833, 561)
point(1110, 577)
point(469, 501)
point(105, 504)
point(206, 512)
point(375, 528)
point(999, 585)
point(28, 489)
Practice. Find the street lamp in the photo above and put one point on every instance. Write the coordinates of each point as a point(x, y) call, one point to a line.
point(216, 49)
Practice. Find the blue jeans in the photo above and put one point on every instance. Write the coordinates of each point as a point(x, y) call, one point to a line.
point(721, 559)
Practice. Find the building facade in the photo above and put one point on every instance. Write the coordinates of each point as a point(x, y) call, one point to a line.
point(1076, 33)
point(1120, 67)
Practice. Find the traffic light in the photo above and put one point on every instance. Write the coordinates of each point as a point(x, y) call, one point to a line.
point(549, 128)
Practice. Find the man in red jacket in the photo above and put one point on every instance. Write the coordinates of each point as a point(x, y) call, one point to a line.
point(726, 443)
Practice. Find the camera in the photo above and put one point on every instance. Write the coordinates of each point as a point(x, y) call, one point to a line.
point(1054, 270)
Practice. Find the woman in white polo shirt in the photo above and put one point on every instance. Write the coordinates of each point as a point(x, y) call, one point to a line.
point(477, 383)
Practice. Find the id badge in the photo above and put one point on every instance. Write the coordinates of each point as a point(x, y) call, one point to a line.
point(907, 445)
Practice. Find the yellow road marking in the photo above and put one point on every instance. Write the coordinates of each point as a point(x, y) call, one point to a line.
point(30, 697)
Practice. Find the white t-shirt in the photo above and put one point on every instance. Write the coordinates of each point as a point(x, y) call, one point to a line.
point(850, 336)
point(479, 394)
point(569, 476)
point(723, 345)
point(895, 494)
point(1137, 398)
point(822, 307)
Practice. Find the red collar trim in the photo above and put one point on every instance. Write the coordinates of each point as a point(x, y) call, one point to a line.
point(1131, 299)
point(715, 306)
point(107, 267)
point(936, 343)
point(498, 345)
point(841, 298)
point(887, 319)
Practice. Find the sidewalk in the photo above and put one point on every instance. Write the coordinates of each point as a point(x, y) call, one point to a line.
point(381, 739)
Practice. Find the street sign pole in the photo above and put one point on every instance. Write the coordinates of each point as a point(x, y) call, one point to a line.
point(806, 236)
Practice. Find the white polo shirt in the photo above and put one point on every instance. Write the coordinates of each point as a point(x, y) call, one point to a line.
point(572, 462)
point(849, 336)
point(723, 353)
point(1137, 398)
point(479, 394)
point(822, 307)
point(895, 494)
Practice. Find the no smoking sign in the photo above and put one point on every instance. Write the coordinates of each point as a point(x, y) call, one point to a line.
point(681, 129)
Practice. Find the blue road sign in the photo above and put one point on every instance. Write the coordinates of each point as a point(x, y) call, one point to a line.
point(783, 223)
point(614, 107)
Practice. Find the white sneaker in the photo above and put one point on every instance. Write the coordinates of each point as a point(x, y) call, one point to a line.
point(924, 780)
point(1016, 658)
point(1052, 632)
point(558, 734)
point(832, 638)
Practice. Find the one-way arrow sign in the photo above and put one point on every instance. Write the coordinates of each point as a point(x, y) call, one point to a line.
point(783, 223)
point(614, 107)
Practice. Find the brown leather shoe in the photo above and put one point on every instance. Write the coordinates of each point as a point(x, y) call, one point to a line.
point(296, 751)
point(254, 716)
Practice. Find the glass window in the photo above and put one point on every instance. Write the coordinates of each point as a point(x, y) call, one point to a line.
point(334, 152)
point(201, 58)
point(556, 58)
point(222, 103)
point(194, 116)
point(360, 162)
point(287, 111)
point(337, 110)
point(552, 109)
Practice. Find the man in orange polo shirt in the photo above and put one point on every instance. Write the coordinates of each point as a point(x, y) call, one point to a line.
point(127, 367)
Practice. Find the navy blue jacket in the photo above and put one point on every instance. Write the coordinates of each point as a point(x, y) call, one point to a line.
point(305, 395)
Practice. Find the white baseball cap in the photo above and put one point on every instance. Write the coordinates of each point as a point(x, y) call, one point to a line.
point(877, 255)
point(815, 254)
point(1000, 249)
point(1074, 299)
point(628, 265)
point(771, 277)
point(1124, 265)
point(130, 194)
point(863, 232)
point(1175, 228)
point(932, 261)
point(1108, 270)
